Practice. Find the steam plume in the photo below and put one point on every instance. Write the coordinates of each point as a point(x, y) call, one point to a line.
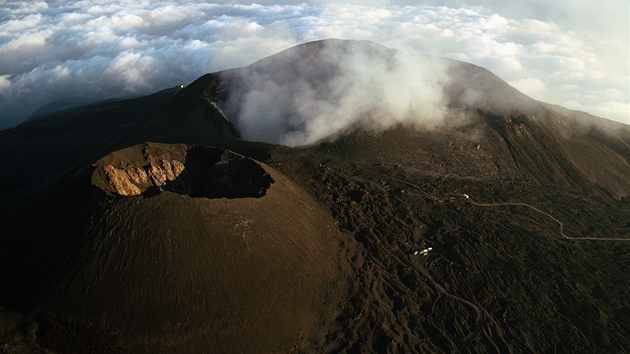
point(343, 84)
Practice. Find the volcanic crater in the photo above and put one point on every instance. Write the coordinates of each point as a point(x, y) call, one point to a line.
point(196, 171)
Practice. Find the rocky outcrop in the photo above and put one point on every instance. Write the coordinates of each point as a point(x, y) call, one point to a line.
point(133, 180)
point(119, 180)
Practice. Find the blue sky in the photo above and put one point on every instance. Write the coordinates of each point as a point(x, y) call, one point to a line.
point(569, 52)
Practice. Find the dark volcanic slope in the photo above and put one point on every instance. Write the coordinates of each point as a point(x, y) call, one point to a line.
point(65, 143)
point(182, 245)
point(181, 258)
point(57, 143)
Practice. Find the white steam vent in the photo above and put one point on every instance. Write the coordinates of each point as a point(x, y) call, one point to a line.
point(301, 96)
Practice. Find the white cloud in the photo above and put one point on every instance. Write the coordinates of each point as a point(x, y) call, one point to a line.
point(131, 71)
point(403, 89)
point(544, 48)
point(533, 86)
point(5, 83)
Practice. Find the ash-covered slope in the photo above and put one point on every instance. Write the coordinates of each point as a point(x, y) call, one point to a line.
point(113, 243)
point(195, 249)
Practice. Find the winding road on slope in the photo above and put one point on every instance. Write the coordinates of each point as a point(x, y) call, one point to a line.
point(477, 308)
point(480, 311)
point(560, 224)
point(481, 319)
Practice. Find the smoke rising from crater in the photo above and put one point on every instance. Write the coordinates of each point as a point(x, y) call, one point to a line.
point(343, 85)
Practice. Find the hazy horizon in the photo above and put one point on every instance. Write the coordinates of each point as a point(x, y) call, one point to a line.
point(570, 53)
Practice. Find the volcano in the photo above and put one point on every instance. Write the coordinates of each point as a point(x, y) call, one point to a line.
point(293, 206)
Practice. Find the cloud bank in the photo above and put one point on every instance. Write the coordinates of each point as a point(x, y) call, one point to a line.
point(572, 53)
point(345, 84)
